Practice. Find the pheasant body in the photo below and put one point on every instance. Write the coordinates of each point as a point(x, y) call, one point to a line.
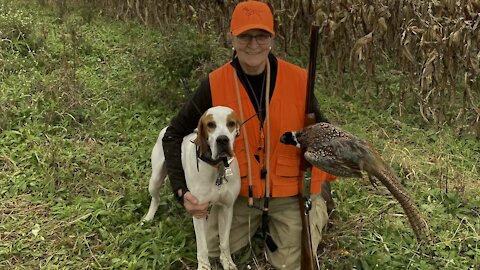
point(342, 154)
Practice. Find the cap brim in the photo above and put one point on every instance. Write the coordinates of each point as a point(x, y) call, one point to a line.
point(244, 28)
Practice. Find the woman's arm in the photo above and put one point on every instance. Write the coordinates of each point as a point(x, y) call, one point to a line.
point(181, 125)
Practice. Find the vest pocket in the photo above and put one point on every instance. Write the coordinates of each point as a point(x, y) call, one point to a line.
point(288, 167)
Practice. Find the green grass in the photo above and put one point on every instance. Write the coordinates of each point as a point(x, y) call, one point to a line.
point(82, 99)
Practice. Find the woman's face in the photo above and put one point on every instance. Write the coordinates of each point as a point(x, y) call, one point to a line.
point(252, 48)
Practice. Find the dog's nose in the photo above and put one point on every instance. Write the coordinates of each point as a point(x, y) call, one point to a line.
point(222, 140)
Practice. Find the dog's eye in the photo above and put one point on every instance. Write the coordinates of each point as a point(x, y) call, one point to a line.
point(211, 125)
point(231, 124)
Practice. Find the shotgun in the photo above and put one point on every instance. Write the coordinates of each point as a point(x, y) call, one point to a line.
point(307, 258)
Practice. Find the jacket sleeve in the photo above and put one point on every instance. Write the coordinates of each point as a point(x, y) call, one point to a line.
point(181, 125)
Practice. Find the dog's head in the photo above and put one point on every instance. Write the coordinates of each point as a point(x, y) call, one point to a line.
point(217, 129)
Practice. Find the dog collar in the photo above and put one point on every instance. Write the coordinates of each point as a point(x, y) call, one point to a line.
point(222, 163)
point(207, 158)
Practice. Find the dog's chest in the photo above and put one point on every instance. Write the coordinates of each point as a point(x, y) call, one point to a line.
point(212, 184)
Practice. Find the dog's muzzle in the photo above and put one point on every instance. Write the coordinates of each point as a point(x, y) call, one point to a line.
point(223, 146)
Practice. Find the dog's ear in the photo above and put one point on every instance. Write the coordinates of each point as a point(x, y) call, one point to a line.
point(202, 137)
point(238, 124)
point(237, 129)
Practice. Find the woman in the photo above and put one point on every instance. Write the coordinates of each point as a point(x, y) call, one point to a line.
point(270, 171)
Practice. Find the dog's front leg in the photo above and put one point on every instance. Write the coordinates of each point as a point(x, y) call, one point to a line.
point(200, 225)
point(224, 225)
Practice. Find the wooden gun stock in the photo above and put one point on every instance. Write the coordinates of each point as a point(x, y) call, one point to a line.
point(308, 255)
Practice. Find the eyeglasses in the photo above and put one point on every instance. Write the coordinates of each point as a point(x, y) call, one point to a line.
point(262, 39)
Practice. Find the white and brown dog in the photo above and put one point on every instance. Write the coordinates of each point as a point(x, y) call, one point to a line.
point(211, 173)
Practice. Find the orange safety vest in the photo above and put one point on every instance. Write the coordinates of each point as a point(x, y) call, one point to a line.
point(287, 113)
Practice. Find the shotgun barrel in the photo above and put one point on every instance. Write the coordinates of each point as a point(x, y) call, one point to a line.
point(307, 253)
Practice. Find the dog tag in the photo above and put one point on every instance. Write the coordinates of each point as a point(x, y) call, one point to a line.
point(228, 172)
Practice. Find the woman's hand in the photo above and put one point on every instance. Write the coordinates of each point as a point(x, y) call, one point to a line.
point(190, 203)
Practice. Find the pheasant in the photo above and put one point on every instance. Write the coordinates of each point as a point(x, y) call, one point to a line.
point(342, 154)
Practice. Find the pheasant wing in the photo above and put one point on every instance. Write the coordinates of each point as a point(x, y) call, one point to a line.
point(331, 164)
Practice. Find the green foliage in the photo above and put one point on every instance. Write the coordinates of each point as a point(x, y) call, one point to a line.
point(15, 30)
point(186, 50)
point(188, 55)
point(82, 100)
point(440, 171)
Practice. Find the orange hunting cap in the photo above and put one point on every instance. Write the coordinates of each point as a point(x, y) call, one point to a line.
point(251, 15)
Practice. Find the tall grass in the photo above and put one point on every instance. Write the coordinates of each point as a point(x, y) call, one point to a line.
point(82, 99)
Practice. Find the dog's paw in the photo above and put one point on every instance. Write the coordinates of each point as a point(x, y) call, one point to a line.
point(227, 262)
point(146, 219)
point(202, 266)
